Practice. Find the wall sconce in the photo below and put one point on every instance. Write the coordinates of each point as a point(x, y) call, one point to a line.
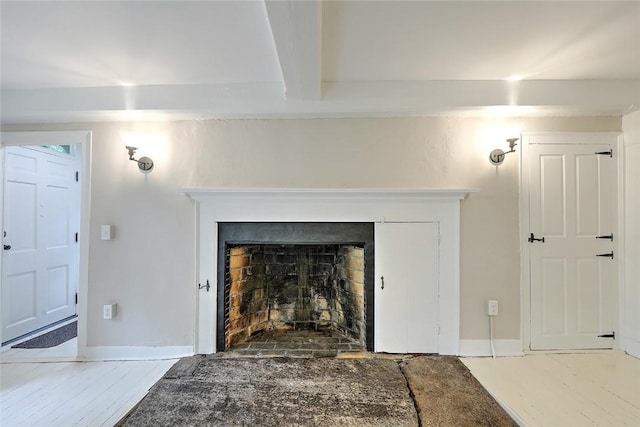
point(496, 157)
point(144, 163)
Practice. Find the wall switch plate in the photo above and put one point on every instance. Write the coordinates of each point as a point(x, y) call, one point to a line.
point(492, 308)
point(106, 232)
point(108, 311)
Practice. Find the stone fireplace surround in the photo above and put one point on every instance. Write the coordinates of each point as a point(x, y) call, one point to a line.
point(219, 205)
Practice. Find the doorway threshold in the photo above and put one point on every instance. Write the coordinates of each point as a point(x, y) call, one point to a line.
point(40, 331)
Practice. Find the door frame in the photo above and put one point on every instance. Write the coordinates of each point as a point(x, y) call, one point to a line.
point(82, 137)
point(567, 138)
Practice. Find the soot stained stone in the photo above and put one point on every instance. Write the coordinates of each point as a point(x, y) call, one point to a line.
point(299, 286)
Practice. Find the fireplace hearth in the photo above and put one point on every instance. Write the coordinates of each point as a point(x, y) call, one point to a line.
point(297, 287)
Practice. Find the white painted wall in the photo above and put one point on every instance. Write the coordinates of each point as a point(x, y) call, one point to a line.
point(631, 128)
point(148, 268)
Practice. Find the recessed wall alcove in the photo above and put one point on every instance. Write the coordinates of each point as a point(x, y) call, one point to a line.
point(373, 207)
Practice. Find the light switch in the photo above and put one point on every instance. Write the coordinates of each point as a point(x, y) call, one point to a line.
point(106, 232)
point(109, 311)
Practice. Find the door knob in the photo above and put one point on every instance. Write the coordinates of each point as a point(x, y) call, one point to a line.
point(7, 247)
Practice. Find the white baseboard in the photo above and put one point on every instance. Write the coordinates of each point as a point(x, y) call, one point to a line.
point(134, 353)
point(632, 347)
point(476, 348)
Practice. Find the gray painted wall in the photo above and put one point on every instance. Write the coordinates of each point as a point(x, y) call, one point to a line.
point(148, 268)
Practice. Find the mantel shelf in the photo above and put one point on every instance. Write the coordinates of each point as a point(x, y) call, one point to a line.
point(444, 193)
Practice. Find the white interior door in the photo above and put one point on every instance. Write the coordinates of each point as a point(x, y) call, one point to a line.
point(573, 282)
point(40, 256)
point(406, 288)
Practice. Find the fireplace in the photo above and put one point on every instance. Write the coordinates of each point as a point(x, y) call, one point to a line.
point(283, 278)
point(218, 209)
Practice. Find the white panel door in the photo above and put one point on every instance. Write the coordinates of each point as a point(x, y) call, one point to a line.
point(573, 205)
point(406, 288)
point(41, 212)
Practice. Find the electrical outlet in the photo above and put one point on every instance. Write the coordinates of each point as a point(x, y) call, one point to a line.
point(492, 308)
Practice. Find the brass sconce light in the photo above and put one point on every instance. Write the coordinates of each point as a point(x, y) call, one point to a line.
point(496, 157)
point(145, 164)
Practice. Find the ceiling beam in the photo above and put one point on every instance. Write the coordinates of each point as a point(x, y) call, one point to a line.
point(297, 33)
point(340, 99)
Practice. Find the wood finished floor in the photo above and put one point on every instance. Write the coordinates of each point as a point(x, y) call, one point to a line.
point(538, 390)
point(71, 393)
point(593, 389)
point(66, 351)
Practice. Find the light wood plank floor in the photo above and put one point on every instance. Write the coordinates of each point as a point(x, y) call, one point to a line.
point(67, 351)
point(74, 393)
point(538, 390)
point(592, 389)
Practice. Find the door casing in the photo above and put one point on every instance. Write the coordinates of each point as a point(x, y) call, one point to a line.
point(566, 138)
point(83, 138)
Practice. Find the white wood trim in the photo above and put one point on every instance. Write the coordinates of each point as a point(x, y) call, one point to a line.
point(621, 340)
point(527, 139)
point(581, 138)
point(103, 353)
point(482, 347)
point(82, 137)
point(330, 205)
point(525, 288)
point(2, 166)
point(629, 342)
point(296, 28)
point(204, 194)
point(339, 99)
point(44, 137)
point(632, 347)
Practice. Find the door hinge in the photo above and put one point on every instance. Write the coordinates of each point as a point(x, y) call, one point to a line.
point(77, 176)
point(611, 335)
point(605, 153)
point(76, 237)
point(609, 236)
point(76, 298)
point(607, 255)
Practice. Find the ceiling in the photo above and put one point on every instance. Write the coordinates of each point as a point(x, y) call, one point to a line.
point(111, 60)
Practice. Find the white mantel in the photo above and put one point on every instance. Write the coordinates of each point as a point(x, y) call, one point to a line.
point(215, 205)
point(207, 193)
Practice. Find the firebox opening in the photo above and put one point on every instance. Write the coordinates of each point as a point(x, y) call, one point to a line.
point(315, 292)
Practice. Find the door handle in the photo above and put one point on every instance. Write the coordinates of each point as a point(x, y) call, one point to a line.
point(382, 280)
point(532, 239)
point(607, 255)
point(7, 247)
